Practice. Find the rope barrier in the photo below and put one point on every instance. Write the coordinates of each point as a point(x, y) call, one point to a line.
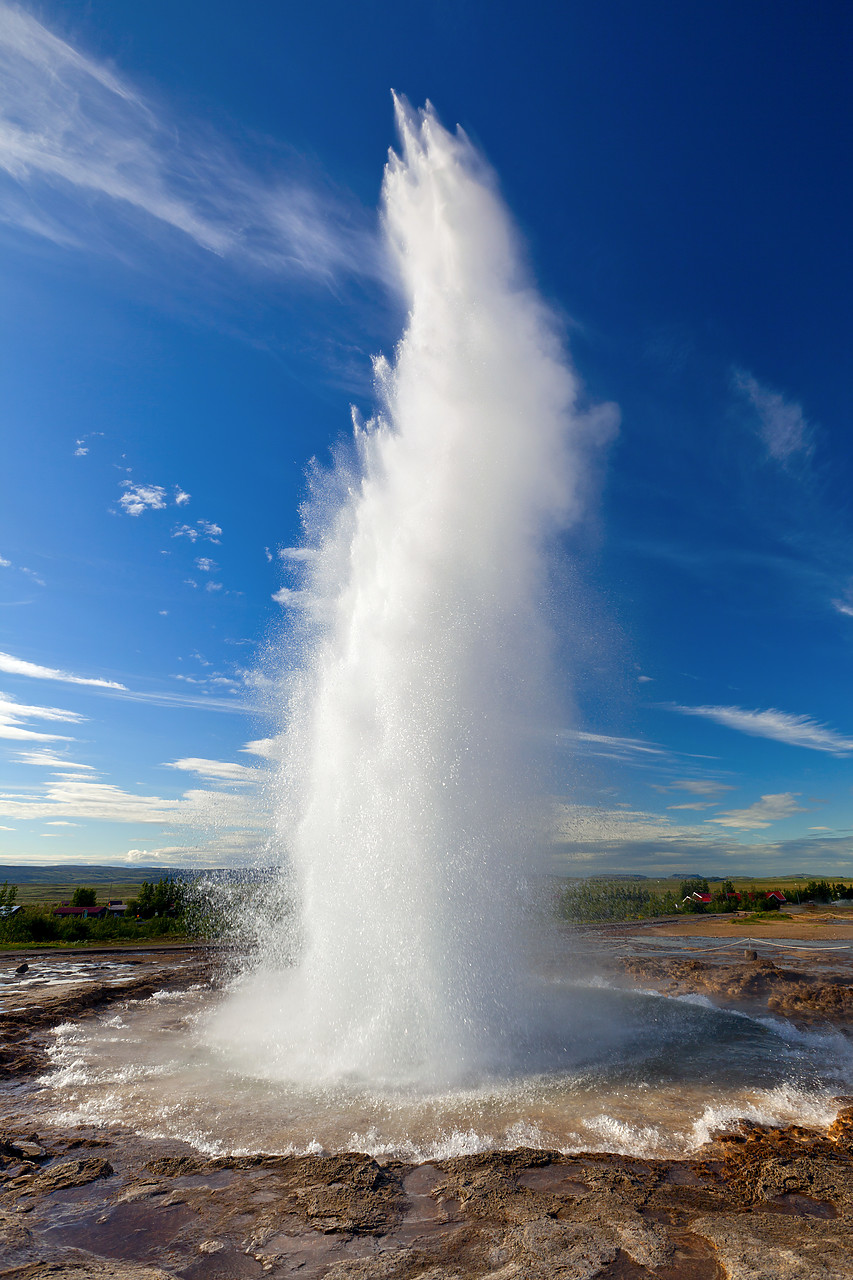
point(743, 943)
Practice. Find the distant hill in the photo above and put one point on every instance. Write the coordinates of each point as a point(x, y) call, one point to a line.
point(72, 873)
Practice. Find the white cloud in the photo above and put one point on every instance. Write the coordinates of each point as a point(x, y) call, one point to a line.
point(769, 809)
point(269, 748)
point(296, 553)
point(45, 757)
point(5, 564)
point(60, 822)
point(141, 497)
point(216, 770)
point(19, 667)
point(780, 726)
point(583, 823)
point(213, 586)
point(82, 448)
point(628, 746)
point(31, 573)
point(14, 717)
point(181, 497)
point(695, 786)
point(207, 681)
point(782, 426)
point(203, 702)
point(82, 150)
point(70, 795)
point(293, 599)
point(205, 564)
point(205, 529)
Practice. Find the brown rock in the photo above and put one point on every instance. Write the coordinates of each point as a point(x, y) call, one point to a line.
point(71, 1173)
point(23, 1148)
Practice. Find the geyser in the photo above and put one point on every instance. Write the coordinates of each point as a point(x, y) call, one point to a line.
point(416, 729)
point(400, 1015)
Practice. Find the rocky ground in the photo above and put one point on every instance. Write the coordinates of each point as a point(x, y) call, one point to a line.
point(756, 983)
point(758, 1204)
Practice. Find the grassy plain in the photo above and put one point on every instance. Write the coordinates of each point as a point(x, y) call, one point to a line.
point(49, 885)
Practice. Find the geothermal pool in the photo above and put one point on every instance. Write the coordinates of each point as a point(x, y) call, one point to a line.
point(615, 1070)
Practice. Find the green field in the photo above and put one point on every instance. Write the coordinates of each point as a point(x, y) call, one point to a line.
point(788, 884)
point(47, 886)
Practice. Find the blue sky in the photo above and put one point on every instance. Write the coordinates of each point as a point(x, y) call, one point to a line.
point(192, 291)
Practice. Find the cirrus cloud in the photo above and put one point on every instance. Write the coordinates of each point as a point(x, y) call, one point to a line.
point(779, 726)
point(20, 667)
point(781, 423)
point(82, 154)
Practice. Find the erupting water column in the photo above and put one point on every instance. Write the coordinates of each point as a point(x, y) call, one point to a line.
point(415, 731)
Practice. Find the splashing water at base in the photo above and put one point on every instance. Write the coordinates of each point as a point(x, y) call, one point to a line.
point(630, 1072)
point(414, 733)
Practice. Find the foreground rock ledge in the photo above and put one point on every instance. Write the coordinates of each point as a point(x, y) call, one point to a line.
point(757, 1204)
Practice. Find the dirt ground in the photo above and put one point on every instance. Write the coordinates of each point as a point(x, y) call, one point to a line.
point(822, 926)
point(755, 1204)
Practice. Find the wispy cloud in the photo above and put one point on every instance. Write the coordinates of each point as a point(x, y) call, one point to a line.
point(695, 786)
point(216, 770)
point(44, 757)
point(781, 423)
point(269, 748)
point(767, 810)
point(19, 667)
point(609, 744)
point(780, 726)
point(81, 149)
point(14, 718)
point(845, 603)
point(202, 702)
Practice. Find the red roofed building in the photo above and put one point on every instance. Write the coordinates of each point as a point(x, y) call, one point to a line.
point(778, 895)
point(92, 913)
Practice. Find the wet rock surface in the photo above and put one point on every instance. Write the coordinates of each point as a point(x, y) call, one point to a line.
point(755, 1203)
point(26, 1022)
point(760, 983)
